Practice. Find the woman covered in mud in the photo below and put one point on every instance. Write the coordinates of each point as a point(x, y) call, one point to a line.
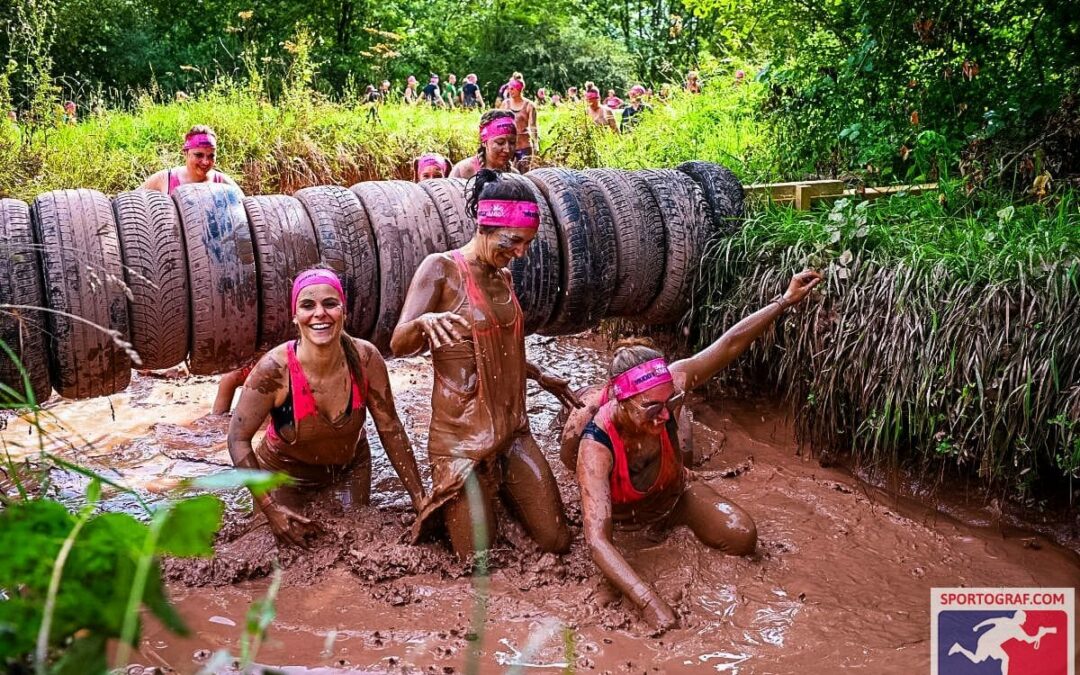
point(498, 140)
point(200, 155)
point(462, 305)
point(316, 391)
point(625, 448)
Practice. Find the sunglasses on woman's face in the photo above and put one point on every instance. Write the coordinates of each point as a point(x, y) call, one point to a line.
point(653, 409)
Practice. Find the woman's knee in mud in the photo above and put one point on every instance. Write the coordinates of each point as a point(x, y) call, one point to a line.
point(555, 538)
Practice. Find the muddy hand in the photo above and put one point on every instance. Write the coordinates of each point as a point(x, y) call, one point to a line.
point(289, 526)
point(659, 615)
point(444, 328)
point(560, 389)
point(801, 284)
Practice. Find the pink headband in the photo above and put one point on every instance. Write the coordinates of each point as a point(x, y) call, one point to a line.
point(642, 377)
point(431, 159)
point(314, 278)
point(592, 95)
point(500, 126)
point(516, 84)
point(507, 213)
point(200, 140)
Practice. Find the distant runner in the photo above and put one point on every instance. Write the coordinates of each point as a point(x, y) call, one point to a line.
point(693, 85)
point(612, 101)
point(637, 106)
point(600, 114)
point(470, 93)
point(431, 95)
point(411, 97)
point(451, 92)
point(528, 134)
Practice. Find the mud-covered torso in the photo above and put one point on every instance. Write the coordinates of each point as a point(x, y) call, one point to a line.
point(647, 475)
point(303, 440)
point(478, 399)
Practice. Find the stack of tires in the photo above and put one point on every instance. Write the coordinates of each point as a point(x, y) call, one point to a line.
point(93, 287)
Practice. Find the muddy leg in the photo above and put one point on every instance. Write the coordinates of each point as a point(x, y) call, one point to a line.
point(467, 526)
point(716, 521)
point(530, 490)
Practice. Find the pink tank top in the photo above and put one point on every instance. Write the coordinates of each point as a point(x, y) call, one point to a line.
point(174, 180)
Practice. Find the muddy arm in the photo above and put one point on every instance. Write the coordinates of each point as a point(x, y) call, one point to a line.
point(267, 390)
point(392, 434)
point(423, 297)
point(700, 367)
point(593, 471)
point(534, 130)
point(156, 182)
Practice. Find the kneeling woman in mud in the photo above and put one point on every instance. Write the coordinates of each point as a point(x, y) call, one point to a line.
point(628, 459)
point(462, 304)
point(316, 391)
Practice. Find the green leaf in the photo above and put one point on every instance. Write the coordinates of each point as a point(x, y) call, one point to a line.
point(190, 527)
point(85, 656)
point(93, 491)
point(258, 481)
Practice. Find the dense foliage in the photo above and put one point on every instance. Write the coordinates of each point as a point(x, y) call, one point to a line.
point(944, 339)
point(899, 91)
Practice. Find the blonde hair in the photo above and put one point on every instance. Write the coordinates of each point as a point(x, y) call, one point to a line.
point(630, 352)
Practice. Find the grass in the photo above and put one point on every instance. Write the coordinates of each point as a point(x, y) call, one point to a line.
point(944, 336)
point(308, 140)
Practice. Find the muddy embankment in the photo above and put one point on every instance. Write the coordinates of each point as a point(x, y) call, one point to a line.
point(841, 579)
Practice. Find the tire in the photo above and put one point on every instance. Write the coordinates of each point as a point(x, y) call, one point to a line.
point(587, 244)
point(155, 268)
point(723, 194)
point(23, 331)
point(640, 240)
point(285, 245)
point(347, 246)
point(221, 275)
point(448, 195)
point(682, 206)
point(407, 229)
point(537, 276)
point(83, 270)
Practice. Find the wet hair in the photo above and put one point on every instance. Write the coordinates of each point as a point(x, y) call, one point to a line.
point(484, 119)
point(488, 184)
point(631, 352)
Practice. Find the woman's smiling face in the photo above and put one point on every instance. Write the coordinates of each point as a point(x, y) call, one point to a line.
point(320, 315)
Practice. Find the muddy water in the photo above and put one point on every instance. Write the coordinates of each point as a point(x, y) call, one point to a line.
point(842, 577)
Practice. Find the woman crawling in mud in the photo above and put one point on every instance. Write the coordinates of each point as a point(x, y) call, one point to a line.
point(316, 391)
point(625, 448)
point(462, 305)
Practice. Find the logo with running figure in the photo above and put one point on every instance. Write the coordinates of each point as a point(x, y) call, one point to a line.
point(1002, 631)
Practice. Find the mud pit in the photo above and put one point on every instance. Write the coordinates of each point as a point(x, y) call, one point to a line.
point(842, 576)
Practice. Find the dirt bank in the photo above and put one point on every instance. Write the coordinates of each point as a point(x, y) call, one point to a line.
point(842, 577)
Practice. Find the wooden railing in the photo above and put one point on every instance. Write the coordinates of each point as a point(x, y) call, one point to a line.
point(804, 194)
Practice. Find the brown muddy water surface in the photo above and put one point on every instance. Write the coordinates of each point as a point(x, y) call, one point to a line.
point(841, 579)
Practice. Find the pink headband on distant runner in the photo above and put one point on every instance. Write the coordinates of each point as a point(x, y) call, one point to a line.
point(314, 278)
point(592, 95)
point(642, 377)
point(500, 126)
point(432, 159)
point(516, 84)
point(200, 140)
point(507, 213)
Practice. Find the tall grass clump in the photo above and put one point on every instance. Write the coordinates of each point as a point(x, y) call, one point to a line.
point(945, 339)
